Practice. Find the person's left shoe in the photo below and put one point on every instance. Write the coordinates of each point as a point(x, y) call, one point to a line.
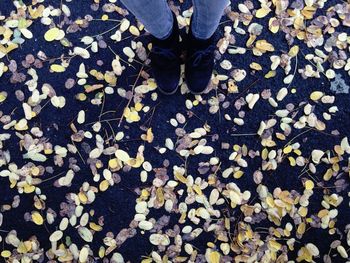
point(200, 62)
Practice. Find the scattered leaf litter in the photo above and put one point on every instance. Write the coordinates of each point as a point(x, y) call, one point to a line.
point(261, 225)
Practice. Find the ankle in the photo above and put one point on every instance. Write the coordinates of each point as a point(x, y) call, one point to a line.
point(171, 38)
point(199, 43)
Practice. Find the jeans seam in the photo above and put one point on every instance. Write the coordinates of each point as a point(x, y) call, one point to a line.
point(195, 18)
point(171, 19)
point(196, 29)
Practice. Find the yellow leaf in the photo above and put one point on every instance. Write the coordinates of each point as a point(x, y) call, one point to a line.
point(214, 257)
point(110, 78)
point(79, 21)
point(270, 74)
point(287, 149)
point(275, 245)
point(134, 116)
point(180, 178)
point(316, 95)
point(95, 227)
point(126, 112)
point(104, 185)
point(29, 189)
point(82, 197)
point(301, 228)
point(148, 136)
point(291, 161)
point(264, 154)
point(138, 106)
point(135, 162)
point(238, 174)
point(263, 45)
point(302, 211)
point(293, 51)
point(309, 185)
point(3, 96)
point(36, 12)
point(51, 34)
point(5, 253)
point(328, 175)
point(262, 12)
point(37, 218)
point(24, 247)
point(232, 87)
point(297, 151)
point(81, 97)
point(280, 136)
point(299, 22)
point(10, 46)
point(134, 31)
point(160, 195)
point(308, 12)
point(197, 189)
point(250, 40)
point(255, 66)
point(57, 68)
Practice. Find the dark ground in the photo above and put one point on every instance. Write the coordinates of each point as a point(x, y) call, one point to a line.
point(117, 204)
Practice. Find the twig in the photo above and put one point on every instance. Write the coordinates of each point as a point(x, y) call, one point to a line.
point(111, 129)
point(151, 117)
point(129, 64)
point(48, 179)
point(295, 70)
point(107, 20)
point(103, 105)
point(244, 134)
point(219, 111)
point(289, 142)
point(133, 88)
point(247, 88)
point(92, 123)
point(81, 157)
point(105, 32)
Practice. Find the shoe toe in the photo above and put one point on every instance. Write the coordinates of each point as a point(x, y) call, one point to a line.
point(167, 82)
point(197, 82)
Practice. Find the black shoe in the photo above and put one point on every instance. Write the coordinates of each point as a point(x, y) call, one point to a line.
point(165, 61)
point(200, 62)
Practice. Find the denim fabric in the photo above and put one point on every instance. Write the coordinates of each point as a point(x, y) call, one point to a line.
point(155, 15)
point(158, 20)
point(206, 17)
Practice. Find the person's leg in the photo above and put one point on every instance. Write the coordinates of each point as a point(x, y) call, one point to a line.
point(201, 43)
point(206, 17)
point(155, 15)
point(158, 19)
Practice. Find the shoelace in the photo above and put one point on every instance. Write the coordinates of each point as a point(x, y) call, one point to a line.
point(201, 55)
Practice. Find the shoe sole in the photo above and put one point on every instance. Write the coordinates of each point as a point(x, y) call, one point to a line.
point(168, 93)
point(197, 93)
point(201, 92)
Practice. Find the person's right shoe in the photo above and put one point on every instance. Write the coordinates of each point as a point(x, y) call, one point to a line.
point(165, 61)
point(200, 62)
